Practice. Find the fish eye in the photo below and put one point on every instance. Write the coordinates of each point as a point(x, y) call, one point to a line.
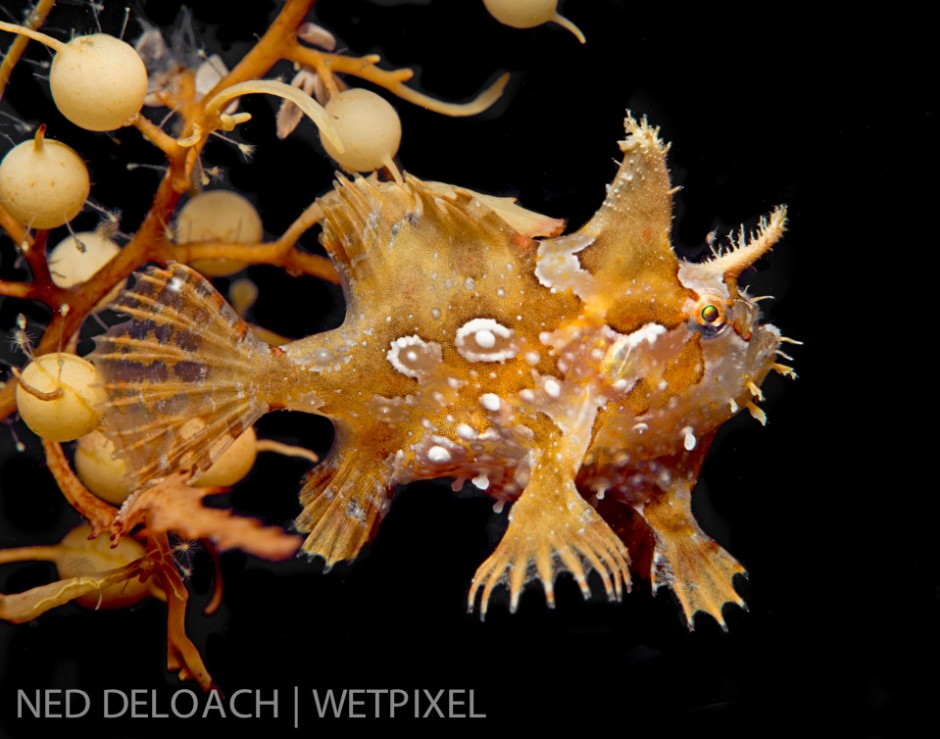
point(710, 313)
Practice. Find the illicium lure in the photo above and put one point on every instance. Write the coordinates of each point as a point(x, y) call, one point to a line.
point(579, 378)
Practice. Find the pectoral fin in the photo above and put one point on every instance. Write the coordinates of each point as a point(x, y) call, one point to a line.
point(687, 560)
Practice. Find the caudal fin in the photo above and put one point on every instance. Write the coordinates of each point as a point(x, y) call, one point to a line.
point(182, 376)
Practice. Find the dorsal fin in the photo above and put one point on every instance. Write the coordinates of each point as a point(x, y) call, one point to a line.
point(632, 228)
point(630, 254)
point(376, 231)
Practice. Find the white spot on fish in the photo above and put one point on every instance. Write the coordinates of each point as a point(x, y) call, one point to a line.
point(552, 388)
point(481, 481)
point(414, 357)
point(688, 438)
point(485, 340)
point(490, 401)
point(558, 267)
point(648, 333)
point(438, 454)
point(465, 431)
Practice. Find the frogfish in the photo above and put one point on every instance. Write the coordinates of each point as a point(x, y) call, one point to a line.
point(578, 379)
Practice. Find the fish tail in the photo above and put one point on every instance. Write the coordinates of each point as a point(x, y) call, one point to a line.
point(184, 376)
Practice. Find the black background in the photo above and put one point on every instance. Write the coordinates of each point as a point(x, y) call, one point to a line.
point(828, 507)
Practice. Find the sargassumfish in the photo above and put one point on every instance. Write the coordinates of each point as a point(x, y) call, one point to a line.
point(578, 378)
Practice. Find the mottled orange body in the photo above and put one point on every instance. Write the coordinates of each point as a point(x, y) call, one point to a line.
point(578, 378)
